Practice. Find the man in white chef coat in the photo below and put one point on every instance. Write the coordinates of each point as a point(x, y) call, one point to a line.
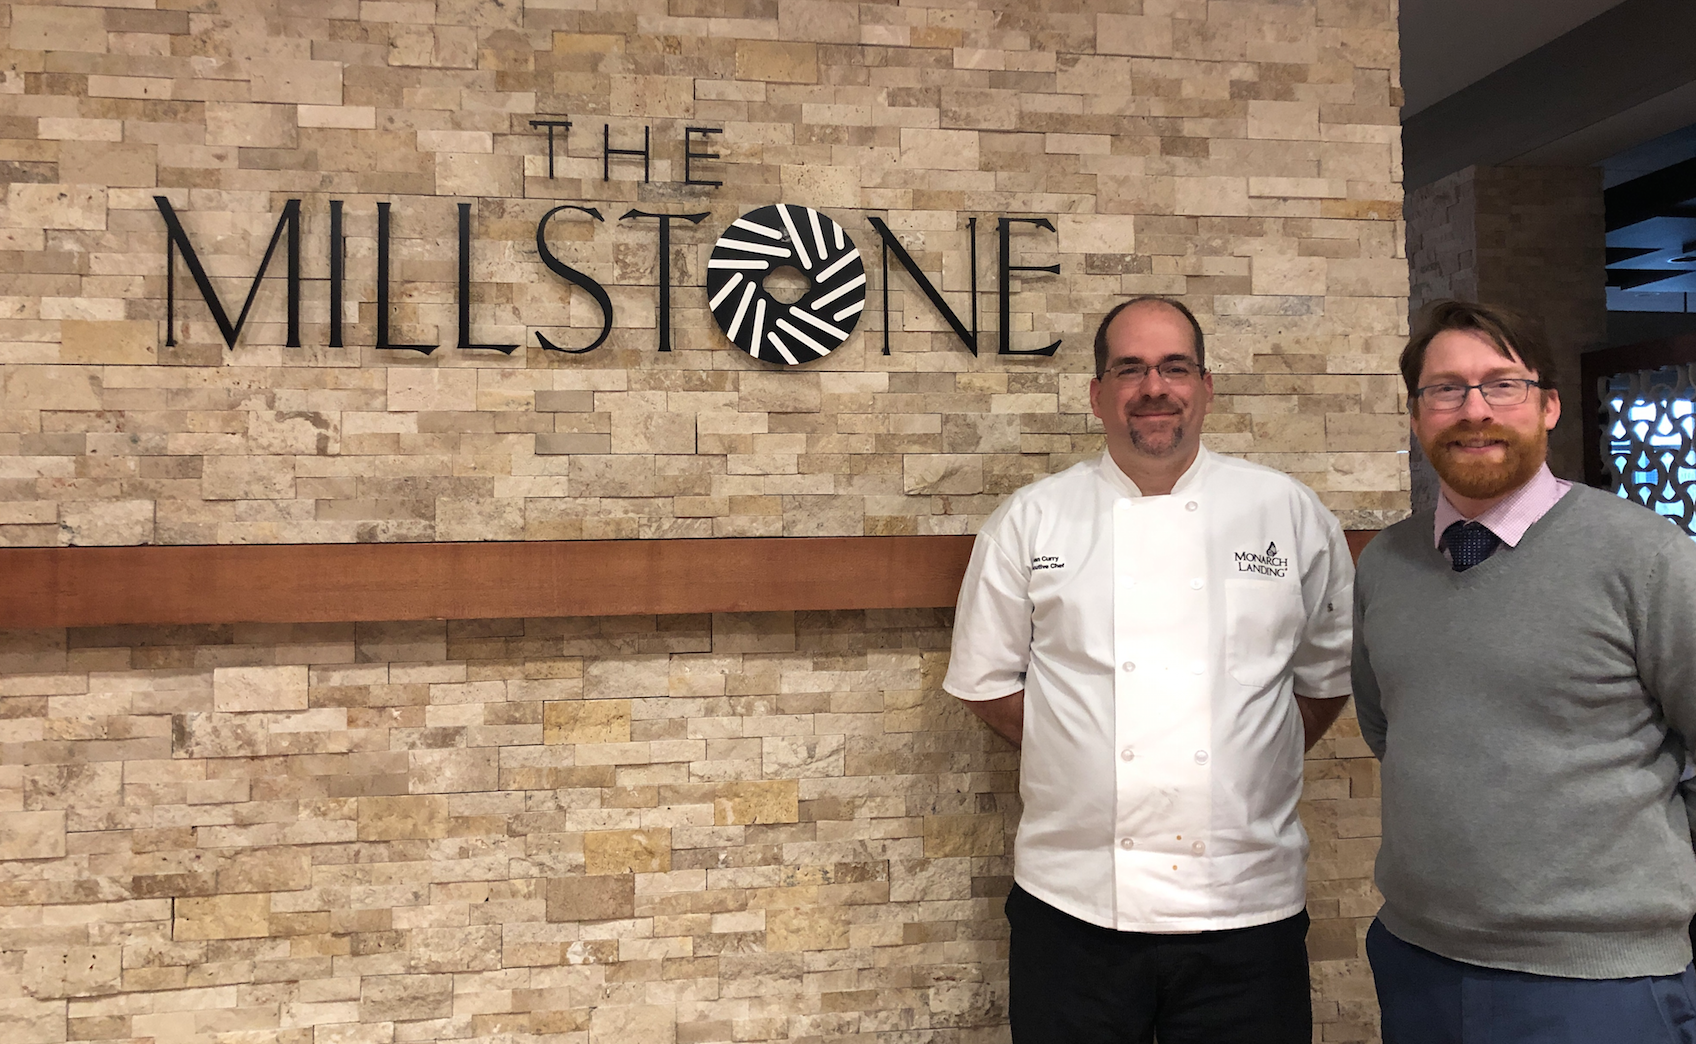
point(1163, 631)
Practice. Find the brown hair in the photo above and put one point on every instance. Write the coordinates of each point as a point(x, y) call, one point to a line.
point(1107, 320)
point(1516, 336)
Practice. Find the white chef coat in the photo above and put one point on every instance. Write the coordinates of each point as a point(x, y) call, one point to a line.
point(1158, 641)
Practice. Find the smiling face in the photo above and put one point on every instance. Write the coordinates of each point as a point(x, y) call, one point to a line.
point(1152, 419)
point(1481, 452)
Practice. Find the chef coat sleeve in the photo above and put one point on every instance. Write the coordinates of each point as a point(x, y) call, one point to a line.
point(1321, 663)
point(992, 623)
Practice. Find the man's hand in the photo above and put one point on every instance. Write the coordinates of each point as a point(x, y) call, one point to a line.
point(1317, 717)
point(1006, 716)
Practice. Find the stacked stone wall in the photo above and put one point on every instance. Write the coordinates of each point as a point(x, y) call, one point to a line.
point(672, 829)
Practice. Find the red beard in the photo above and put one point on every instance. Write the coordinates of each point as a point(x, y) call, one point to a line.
point(1485, 480)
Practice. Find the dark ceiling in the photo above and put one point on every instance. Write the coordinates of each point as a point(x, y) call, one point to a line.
point(1610, 83)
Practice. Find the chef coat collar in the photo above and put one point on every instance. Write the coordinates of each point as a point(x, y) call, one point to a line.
point(1188, 480)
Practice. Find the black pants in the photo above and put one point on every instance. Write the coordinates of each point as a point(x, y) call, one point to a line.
point(1077, 983)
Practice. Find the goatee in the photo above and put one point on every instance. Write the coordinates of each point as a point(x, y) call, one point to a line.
point(1155, 444)
point(1522, 455)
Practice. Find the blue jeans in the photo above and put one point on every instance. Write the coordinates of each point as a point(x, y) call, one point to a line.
point(1428, 999)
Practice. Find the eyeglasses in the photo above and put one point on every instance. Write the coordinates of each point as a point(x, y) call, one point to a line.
point(1173, 371)
point(1504, 391)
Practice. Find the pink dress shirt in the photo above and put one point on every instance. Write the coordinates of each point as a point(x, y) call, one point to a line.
point(1511, 516)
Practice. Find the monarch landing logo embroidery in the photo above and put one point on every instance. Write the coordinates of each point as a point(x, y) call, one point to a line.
point(1266, 563)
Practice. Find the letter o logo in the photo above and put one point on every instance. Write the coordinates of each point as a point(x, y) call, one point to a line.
point(759, 323)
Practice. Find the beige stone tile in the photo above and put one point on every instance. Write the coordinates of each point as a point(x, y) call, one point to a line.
point(247, 478)
point(1289, 275)
point(259, 688)
point(962, 835)
point(1097, 233)
point(633, 1024)
point(109, 164)
point(778, 61)
point(599, 898)
point(627, 851)
point(806, 928)
point(58, 29)
point(1281, 119)
point(1367, 277)
point(454, 770)
point(403, 998)
point(32, 835)
point(924, 148)
point(107, 523)
point(294, 81)
point(130, 342)
point(626, 677)
point(587, 721)
point(431, 388)
point(932, 473)
point(771, 801)
point(343, 117)
point(52, 388)
point(72, 971)
point(396, 818)
point(251, 125)
point(222, 917)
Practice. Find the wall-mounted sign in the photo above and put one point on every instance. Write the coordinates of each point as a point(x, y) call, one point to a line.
point(769, 238)
point(782, 235)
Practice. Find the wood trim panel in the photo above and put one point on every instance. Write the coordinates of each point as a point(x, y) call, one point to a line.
point(1358, 539)
point(319, 583)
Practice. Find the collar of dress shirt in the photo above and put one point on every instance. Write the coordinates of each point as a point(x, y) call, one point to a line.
point(1122, 482)
point(1511, 516)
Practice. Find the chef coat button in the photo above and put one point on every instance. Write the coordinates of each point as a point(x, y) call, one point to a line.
point(1127, 754)
point(1197, 667)
point(1201, 757)
point(1126, 843)
point(1127, 666)
point(1191, 506)
point(1199, 847)
point(1197, 583)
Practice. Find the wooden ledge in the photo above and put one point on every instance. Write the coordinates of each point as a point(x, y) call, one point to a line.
point(321, 583)
point(316, 583)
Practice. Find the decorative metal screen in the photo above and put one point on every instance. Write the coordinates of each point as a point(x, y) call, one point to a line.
point(1649, 440)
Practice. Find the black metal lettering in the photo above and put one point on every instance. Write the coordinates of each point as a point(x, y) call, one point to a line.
point(969, 338)
point(564, 125)
point(338, 272)
point(1003, 228)
point(572, 275)
point(665, 265)
point(608, 152)
point(465, 286)
point(383, 286)
point(177, 239)
point(689, 154)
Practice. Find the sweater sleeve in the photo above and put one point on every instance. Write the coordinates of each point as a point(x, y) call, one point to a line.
point(1666, 634)
point(1368, 703)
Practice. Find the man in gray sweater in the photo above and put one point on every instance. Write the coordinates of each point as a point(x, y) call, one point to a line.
point(1525, 668)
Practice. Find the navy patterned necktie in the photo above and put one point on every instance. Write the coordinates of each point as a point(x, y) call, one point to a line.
point(1469, 543)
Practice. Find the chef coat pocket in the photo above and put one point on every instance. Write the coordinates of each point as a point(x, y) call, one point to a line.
point(1262, 620)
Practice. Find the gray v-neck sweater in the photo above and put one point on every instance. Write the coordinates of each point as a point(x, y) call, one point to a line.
point(1531, 714)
